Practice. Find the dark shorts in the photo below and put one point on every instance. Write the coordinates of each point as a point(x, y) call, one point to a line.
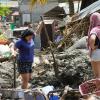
point(24, 67)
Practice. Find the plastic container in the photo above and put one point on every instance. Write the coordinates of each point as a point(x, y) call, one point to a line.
point(53, 97)
point(91, 86)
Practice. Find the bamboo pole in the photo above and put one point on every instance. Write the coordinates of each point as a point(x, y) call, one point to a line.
point(51, 50)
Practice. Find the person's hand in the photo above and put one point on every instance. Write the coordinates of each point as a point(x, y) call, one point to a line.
point(14, 55)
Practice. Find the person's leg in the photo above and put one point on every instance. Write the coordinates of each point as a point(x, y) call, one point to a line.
point(96, 68)
point(30, 76)
point(30, 72)
point(25, 80)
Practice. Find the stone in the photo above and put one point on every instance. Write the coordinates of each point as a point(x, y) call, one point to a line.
point(80, 44)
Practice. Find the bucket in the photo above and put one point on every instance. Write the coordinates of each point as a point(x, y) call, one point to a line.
point(53, 97)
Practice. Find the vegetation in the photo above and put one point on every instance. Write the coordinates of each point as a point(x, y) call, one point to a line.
point(4, 11)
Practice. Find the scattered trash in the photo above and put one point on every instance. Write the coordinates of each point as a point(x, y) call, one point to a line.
point(47, 89)
point(5, 51)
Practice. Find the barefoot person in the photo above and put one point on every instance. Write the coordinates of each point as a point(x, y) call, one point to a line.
point(25, 46)
point(94, 43)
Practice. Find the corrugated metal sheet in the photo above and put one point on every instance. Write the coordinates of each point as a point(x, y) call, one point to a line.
point(87, 11)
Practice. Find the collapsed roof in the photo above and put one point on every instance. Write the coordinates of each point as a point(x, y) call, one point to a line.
point(56, 12)
point(87, 11)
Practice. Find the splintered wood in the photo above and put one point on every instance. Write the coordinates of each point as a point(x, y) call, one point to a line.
point(75, 31)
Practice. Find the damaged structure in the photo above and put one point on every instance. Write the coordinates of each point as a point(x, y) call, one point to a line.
point(79, 24)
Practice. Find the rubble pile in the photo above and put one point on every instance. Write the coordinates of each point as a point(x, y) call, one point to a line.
point(75, 31)
point(74, 68)
point(6, 74)
point(73, 63)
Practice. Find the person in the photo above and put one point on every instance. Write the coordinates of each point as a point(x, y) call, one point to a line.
point(25, 46)
point(94, 43)
point(28, 24)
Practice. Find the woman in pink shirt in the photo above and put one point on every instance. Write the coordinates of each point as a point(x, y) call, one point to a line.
point(94, 43)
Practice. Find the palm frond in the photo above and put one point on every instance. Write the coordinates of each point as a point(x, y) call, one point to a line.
point(43, 2)
point(33, 2)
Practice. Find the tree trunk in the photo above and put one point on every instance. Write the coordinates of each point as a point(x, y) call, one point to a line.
point(86, 3)
point(71, 7)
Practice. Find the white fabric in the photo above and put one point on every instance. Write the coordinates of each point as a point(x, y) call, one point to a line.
point(95, 55)
point(5, 51)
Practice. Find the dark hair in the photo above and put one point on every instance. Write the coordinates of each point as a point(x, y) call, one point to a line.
point(27, 33)
point(26, 23)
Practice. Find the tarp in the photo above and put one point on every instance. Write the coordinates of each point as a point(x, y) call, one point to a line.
point(16, 13)
point(87, 11)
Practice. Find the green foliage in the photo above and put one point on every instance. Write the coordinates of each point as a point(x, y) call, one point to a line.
point(4, 11)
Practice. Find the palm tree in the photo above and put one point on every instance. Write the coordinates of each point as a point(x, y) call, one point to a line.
point(33, 2)
point(4, 11)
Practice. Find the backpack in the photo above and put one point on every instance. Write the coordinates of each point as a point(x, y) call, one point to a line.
point(97, 42)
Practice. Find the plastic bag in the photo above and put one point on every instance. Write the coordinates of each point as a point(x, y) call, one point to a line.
point(47, 89)
point(5, 51)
